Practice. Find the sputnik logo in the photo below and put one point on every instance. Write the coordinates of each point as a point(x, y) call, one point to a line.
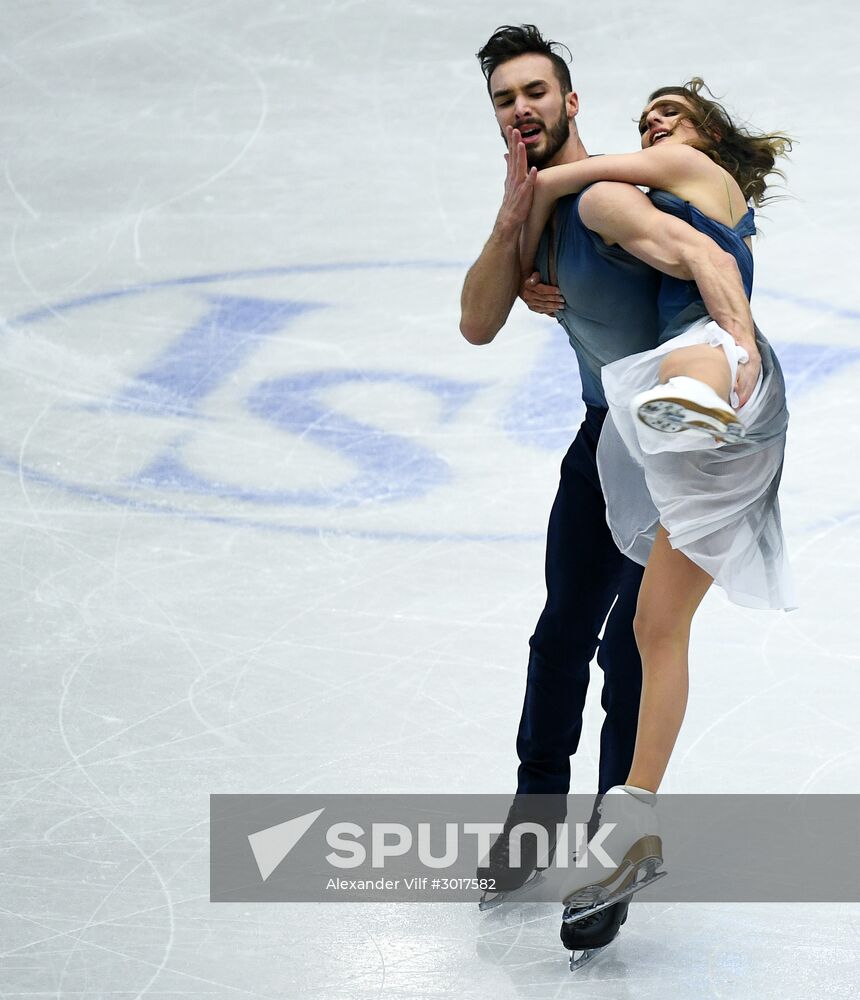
point(272, 845)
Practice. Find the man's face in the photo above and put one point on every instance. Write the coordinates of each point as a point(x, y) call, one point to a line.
point(527, 95)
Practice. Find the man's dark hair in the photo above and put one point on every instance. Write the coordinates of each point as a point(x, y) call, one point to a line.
point(509, 41)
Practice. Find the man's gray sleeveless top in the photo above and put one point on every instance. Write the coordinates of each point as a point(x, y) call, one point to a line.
point(611, 297)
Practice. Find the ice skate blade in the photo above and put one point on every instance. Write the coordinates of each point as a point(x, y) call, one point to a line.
point(644, 856)
point(586, 955)
point(671, 416)
point(519, 895)
point(584, 909)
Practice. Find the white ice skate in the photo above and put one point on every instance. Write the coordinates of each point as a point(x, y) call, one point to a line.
point(623, 857)
point(686, 404)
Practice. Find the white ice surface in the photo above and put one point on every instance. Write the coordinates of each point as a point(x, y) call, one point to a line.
point(295, 618)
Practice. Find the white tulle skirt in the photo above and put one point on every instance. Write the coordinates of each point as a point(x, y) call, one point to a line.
point(718, 503)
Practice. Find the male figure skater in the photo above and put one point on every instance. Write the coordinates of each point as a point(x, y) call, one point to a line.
point(601, 255)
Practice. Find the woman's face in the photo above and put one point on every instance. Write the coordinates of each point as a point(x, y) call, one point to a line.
point(661, 122)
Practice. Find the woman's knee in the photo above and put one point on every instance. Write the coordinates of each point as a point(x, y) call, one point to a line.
point(657, 629)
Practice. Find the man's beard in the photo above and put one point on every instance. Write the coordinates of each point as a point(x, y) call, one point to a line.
point(556, 137)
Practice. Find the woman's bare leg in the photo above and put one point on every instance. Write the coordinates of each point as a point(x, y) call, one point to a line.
point(707, 364)
point(672, 589)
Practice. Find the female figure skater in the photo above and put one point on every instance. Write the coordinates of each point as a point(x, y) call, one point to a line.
point(690, 477)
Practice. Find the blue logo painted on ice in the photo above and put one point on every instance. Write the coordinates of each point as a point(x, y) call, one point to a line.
point(301, 399)
point(193, 397)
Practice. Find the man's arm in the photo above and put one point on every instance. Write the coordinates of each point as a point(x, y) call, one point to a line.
point(491, 286)
point(493, 281)
point(622, 214)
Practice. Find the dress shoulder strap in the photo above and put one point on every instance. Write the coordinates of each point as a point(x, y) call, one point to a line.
point(746, 227)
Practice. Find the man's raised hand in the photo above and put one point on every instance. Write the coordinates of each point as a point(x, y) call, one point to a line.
point(519, 185)
point(516, 205)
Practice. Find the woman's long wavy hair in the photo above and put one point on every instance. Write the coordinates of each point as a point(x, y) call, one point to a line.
point(749, 157)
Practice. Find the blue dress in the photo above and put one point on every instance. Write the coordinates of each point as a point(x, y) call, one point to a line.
point(717, 502)
point(678, 302)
